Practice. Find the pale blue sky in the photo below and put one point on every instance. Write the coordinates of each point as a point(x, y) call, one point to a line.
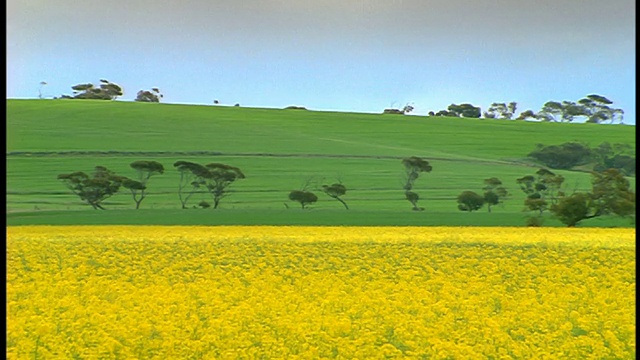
point(357, 56)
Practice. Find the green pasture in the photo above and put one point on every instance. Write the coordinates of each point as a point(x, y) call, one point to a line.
point(279, 151)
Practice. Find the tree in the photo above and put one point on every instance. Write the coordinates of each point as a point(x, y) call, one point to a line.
point(335, 191)
point(564, 112)
point(550, 111)
point(42, 83)
point(145, 170)
point(511, 110)
point(616, 156)
point(572, 209)
point(446, 113)
point(93, 189)
point(469, 201)
point(413, 167)
point(149, 96)
point(105, 91)
point(137, 190)
point(303, 197)
point(407, 109)
point(610, 194)
point(563, 156)
point(191, 179)
point(494, 192)
point(465, 110)
point(542, 190)
point(217, 179)
point(598, 111)
point(501, 110)
point(526, 115)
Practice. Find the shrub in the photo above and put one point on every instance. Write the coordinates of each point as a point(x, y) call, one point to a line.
point(534, 221)
point(563, 156)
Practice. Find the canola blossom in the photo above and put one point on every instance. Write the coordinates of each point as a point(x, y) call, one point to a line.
point(231, 292)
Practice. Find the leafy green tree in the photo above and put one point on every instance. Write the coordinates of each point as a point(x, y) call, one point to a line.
point(501, 110)
point(446, 113)
point(413, 167)
point(542, 190)
point(511, 110)
point(597, 109)
point(93, 189)
point(303, 197)
point(470, 201)
point(465, 110)
point(494, 192)
point(217, 179)
point(563, 156)
point(191, 180)
point(616, 156)
point(610, 194)
point(565, 111)
point(42, 83)
point(149, 96)
point(145, 170)
point(335, 191)
point(574, 208)
point(527, 114)
point(413, 198)
point(105, 91)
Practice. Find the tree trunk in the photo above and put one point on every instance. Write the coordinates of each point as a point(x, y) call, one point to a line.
point(343, 203)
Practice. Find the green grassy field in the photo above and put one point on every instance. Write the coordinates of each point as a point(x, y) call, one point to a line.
point(279, 151)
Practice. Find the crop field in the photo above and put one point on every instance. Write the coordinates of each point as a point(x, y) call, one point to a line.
point(278, 151)
point(232, 292)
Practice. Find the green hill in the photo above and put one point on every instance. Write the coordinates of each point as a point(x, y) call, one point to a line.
point(278, 150)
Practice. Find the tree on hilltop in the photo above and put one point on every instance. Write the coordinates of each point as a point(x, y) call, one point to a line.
point(149, 96)
point(105, 91)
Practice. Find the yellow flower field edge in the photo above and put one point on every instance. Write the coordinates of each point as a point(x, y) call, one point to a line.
point(179, 292)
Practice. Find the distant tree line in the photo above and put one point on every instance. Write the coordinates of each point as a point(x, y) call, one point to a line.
point(592, 108)
point(107, 90)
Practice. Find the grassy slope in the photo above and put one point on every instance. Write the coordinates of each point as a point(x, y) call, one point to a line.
point(367, 149)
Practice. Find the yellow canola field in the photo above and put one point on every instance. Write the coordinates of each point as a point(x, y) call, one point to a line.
point(172, 292)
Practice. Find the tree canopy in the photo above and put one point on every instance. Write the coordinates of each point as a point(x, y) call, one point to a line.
point(93, 189)
point(413, 167)
point(610, 195)
point(152, 95)
point(106, 90)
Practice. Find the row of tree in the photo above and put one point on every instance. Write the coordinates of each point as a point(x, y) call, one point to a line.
point(610, 195)
point(106, 90)
point(592, 108)
point(610, 192)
